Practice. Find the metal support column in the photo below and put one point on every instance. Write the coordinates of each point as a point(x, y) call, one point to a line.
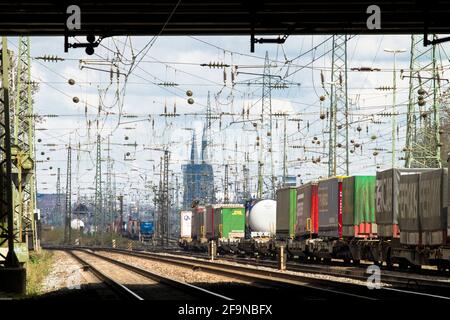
point(7, 231)
point(338, 162)
point(68, 211)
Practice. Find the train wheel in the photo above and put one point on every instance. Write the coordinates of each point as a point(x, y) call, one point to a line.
point(416, 267)
point(402, 265)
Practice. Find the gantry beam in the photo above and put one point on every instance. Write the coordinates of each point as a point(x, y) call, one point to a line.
point(219, 17)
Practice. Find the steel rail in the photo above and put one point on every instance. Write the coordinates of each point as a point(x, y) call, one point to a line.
point(351, 272)
point(276, 276)
point(273, 278)
point(183, 286)
point(118, 288)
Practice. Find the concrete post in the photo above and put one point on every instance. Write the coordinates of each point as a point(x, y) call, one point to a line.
point(281, 258)
point(212, 249)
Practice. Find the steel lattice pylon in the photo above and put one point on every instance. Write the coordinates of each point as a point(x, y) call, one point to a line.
point(226, 198)
point(57, 217)
point(338, 162)
point(164, 200)
point(265, 150)
point(98, 217)
point(23, 147)
point(109, 188)
point(422, 133)
point(8, 230)
point(68, 202)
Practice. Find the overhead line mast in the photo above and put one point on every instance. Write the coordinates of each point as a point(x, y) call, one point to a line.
point(338, 162)
point(68, 211)
point(423, 145)
point(23, 148)
point(265, 137)
point(98, 209)
point(8, 232)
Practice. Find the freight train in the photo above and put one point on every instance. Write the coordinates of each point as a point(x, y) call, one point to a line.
point(399, 216)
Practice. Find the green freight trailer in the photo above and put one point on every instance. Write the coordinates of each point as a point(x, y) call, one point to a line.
point(227, 221)
point(358, 206)
point(286, 212)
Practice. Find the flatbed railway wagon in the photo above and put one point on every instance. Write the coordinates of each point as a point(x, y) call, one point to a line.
point(260, 229)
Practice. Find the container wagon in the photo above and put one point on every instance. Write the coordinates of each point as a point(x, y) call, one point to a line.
point(260, 230)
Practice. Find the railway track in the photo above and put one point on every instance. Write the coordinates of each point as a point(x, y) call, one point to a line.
point(330, 289)
point(409, 280)
point(124, 291)
point(119, 289)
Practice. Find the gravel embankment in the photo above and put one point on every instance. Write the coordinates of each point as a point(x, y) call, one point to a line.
point(171, 271)
point(66, 273)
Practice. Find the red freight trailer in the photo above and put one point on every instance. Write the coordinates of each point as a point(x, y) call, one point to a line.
point(307, 210)
point(197, 229)
point(209, 221)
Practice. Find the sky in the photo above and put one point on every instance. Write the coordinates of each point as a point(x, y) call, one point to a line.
point(125, 106)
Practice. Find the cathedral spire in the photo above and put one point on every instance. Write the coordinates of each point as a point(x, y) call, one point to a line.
point(194, 152)
point(204, 146)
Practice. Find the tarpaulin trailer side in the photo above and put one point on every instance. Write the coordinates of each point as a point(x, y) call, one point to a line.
point(330, 208)
point(433, 208)
point(386, 210)
point(307, 210)
point(358, 206)
point(286, 212)
point(408, 209)
point(209, 221)
point(198, 222)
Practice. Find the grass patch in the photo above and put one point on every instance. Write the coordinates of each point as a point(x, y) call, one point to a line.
point(38, 267)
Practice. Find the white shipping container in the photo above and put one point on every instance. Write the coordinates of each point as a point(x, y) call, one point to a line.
point(186, 222)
